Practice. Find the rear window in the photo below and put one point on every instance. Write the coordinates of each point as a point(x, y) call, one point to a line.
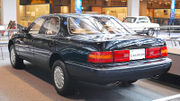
point(96, 25)
point(83, 25)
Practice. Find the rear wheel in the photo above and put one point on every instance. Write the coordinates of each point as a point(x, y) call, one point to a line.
point(16, 62)
point(61, 79)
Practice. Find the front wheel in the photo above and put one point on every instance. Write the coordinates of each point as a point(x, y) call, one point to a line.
point(150, 32)
point(61, 79)
point(16, 62)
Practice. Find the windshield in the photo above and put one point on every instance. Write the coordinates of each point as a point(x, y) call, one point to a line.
point(130, 19)
point(95, 25)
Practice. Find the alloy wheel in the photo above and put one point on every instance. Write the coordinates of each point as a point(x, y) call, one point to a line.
point(58, 77)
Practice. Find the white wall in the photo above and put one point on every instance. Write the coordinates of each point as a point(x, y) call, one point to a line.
point(133, 8)
point(8, 11)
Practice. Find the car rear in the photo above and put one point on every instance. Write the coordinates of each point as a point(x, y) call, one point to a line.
point(115, 54)
point(127, 59)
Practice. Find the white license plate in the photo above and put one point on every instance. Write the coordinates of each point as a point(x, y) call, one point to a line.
point(136, 54)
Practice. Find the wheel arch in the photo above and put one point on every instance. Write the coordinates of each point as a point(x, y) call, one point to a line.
point(151, 28)
point(53, 58)
point(9, 44)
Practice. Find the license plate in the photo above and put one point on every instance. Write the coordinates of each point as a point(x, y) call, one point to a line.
point(136, 54)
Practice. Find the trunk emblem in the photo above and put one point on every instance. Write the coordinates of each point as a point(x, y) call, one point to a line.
point(139, 43)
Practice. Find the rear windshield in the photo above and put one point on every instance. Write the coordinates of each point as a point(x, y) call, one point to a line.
point(96, 25)
point(82, 25)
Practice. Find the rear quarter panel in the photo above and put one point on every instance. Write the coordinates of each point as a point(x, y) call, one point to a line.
point(74, 51)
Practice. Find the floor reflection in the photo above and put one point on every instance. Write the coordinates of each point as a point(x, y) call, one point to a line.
point(41, 80)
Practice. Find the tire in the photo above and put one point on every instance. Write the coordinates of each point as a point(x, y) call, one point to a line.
point(61, 79)
point(16, 62)
point(150, 32)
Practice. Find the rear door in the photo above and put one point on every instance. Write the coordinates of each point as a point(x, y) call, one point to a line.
point(44, 43)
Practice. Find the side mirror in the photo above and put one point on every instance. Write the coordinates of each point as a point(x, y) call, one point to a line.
point(25, 31)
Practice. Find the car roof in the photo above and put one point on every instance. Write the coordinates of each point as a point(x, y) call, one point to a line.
point(76, 15)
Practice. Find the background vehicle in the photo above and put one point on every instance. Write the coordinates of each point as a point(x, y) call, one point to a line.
point(142, 25)
point(93, 48)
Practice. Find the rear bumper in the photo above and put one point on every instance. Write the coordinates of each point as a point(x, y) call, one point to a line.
point(119, 72)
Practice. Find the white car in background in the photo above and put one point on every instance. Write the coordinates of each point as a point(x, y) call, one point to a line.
point(142, 25)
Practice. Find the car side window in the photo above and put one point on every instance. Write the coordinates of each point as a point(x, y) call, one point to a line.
point(51, 26)
point(143, 18)
point(142, 21)
point(36, 26)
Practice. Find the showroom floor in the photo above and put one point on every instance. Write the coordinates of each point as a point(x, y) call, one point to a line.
point(34, 84)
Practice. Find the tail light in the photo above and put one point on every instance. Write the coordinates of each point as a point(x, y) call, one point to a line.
point(163, 51)
point(107, 57)
point(121, 56)
point(124, 55)
point(100, 57)
point(153, 52)
point(156, 52)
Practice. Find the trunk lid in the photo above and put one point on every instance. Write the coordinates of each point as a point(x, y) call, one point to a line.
point(110, 42)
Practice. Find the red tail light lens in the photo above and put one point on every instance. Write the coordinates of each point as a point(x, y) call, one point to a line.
point(153, 52)
point(121, 56)
point(163, 51)
point(156, 52)
point(100, 57)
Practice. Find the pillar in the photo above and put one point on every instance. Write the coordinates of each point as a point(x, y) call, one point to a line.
point(8, 11)
point(133, 8)
point(143, 8)
point(72, 6)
